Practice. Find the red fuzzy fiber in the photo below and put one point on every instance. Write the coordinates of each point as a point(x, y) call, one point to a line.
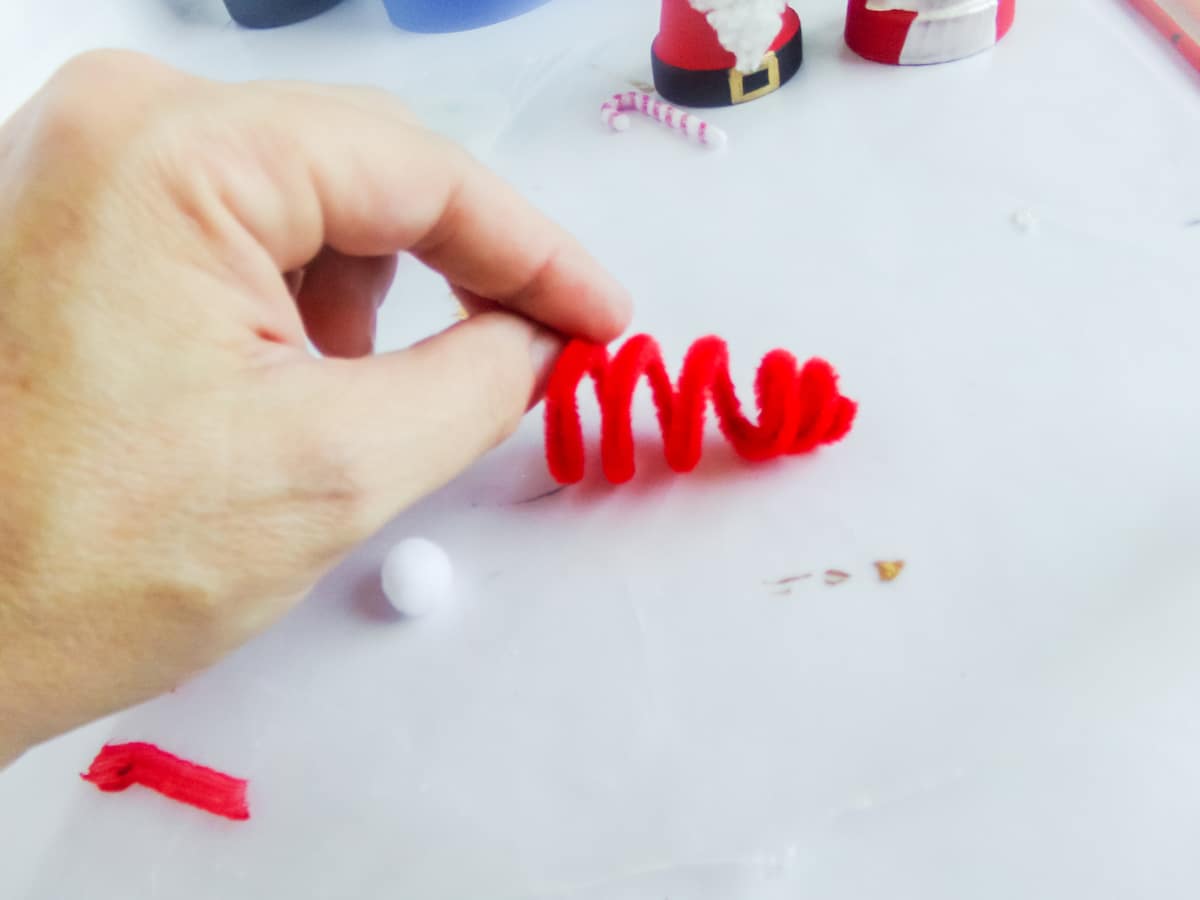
point(799, 408)
point(119, 766)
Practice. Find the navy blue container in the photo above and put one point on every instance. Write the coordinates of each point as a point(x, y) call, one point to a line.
point(273, 13)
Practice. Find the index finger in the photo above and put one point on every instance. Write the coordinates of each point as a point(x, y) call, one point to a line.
point(351, 170)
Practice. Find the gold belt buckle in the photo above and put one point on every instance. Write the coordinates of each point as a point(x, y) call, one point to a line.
point(737, 80)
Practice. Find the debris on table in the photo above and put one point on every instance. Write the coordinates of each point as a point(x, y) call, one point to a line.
point(783, 586)
point(834, 577)
point(1025, 221)
point(889, 571)
point(790, 579)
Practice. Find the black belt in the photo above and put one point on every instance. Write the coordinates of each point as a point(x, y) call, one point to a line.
point(728, 87)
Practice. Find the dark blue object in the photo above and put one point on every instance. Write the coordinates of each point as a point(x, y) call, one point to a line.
point(454, 15)
point(273, 13)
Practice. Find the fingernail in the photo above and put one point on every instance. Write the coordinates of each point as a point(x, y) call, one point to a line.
point(544, 350)
point(624, 306)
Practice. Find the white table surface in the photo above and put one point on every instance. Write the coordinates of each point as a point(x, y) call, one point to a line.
point(617, 706)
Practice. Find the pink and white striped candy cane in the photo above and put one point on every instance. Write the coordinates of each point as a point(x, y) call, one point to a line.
point(614, 114)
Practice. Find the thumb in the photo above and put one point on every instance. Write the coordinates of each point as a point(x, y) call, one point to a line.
point(383, 431)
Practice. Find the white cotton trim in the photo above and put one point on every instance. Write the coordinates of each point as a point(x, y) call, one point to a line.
point(746, 28)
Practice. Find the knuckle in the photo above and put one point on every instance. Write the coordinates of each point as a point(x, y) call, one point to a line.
point(112, 74)
point(99, 98)
point(70, 109)
point(311, 475)
point(195, 601)
point(92, 64)
point(335, 488)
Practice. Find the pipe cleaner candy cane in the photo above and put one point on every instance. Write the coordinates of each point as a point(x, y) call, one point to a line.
point(615, 114)
point(800, 407)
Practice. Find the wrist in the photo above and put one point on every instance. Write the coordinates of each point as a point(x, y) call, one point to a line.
point(14, 721)
point(18, 704)
point(9, 752)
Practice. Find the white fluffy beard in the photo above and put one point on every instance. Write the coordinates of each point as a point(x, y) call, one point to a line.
point(746, 28)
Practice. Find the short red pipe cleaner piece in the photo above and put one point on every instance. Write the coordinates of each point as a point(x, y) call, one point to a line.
point(799, 408)
point(120, 765)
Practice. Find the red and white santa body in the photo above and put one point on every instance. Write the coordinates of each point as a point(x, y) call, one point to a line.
point(918, 32)
point(722, 52)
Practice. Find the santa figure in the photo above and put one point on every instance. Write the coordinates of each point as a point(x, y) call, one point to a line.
point(917, 32)
point(723, 52)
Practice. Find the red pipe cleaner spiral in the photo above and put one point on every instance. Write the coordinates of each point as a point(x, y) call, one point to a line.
point(799, 408)
point(119, 766)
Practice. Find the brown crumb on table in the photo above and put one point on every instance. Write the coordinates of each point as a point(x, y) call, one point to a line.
point(642, 86)
point(890, 571)
point(834, 577)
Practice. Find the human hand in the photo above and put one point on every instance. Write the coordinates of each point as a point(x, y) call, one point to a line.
point(175, 467)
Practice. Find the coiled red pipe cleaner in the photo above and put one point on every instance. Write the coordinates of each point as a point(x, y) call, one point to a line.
point(119, 766)
point(799, 408)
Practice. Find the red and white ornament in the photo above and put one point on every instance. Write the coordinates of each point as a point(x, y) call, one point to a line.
point(724, 52)
point(920, 32)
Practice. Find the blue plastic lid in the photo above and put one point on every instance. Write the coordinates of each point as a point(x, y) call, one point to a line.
point(454, 15)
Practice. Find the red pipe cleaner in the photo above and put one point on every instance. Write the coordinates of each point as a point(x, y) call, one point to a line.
point(120, 765)
point(799, 408)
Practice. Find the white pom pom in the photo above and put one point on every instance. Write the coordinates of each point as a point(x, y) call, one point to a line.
point(417, 576)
